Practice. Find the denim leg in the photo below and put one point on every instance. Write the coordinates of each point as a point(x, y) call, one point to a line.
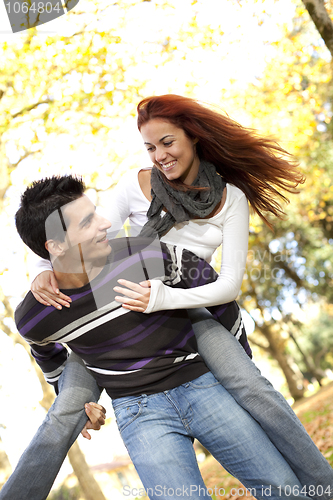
point(238, 374)
point(39, 465)
point(158, 431)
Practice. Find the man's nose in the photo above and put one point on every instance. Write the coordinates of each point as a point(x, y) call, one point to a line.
point(104, 223)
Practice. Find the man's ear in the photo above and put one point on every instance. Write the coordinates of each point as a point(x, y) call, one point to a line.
point(55, 248)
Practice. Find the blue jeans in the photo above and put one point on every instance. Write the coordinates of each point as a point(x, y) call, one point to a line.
point(227, 360)
point(158, 431)
point(39, 465)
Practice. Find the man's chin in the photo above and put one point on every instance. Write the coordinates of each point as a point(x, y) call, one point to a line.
point(101, 256)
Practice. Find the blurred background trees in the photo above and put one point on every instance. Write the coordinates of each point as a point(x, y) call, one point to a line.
point(68, 102)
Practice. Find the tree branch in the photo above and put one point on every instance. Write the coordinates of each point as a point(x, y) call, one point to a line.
point(322, 21)
point(264, 347)
point(29, 108)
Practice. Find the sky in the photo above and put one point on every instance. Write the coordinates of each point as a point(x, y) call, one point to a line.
point(241, 58)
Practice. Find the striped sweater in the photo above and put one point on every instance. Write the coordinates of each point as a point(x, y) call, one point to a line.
point(129, 353)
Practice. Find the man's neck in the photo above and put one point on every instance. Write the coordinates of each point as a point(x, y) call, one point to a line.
point(68, 279)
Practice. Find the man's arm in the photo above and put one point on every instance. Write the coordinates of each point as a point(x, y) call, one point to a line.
point(35, 323)
point(51, 358)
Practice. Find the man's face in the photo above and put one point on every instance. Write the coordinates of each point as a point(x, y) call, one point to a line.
point(86, 240)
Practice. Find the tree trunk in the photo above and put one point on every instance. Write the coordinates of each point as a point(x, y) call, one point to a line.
point(5, 467)
point(280, 356)
point(276, 348)
point(313, 371)
point(88, 483)
point(322, 21)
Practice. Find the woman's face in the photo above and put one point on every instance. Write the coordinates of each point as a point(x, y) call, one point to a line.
point(171, 151)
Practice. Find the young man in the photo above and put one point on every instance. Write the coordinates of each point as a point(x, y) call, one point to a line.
point(163, 394)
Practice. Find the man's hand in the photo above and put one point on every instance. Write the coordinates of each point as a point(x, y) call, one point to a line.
point(45, 289)
point(136, 295)
point(96, 414)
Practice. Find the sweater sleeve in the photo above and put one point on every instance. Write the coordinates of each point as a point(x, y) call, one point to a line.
point(226, 288)
point(51, 359)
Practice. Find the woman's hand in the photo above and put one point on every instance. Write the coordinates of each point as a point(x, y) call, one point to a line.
point(136, 295)
point(96, 414)
point(45, 289)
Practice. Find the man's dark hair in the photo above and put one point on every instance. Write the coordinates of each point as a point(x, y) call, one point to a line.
point(38, 202)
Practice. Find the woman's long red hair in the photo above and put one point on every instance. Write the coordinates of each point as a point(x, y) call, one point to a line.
point(256, 165)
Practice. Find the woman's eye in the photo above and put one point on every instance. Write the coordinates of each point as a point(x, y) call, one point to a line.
point(149, 149)
point(168, 143)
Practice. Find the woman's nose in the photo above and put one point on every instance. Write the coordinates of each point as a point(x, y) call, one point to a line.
point(160, 155)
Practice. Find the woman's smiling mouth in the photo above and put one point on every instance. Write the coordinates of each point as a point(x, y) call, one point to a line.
point(168, 166)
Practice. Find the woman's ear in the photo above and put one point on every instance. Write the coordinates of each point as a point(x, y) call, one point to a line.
point(55, 248)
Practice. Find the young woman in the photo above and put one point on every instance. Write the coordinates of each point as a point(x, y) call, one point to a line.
point(206, 170)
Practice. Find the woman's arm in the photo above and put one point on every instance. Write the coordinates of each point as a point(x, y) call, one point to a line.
point(225, 289)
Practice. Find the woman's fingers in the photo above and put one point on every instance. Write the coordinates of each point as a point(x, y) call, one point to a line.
point(132, 305)
point(128, 293)
point(133, 290)
point(136, 296)
point(145, 284)
point(45, 289)
point(136, 287)
point(137, 307)
point(46, 299)
point(50, 299)
point(40, 299)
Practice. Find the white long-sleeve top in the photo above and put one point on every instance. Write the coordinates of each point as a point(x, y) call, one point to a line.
point(229, 227)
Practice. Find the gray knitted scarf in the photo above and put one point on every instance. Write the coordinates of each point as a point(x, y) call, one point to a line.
point(179, 205)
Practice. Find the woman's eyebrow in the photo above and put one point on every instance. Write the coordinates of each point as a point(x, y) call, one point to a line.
point(168, 135)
